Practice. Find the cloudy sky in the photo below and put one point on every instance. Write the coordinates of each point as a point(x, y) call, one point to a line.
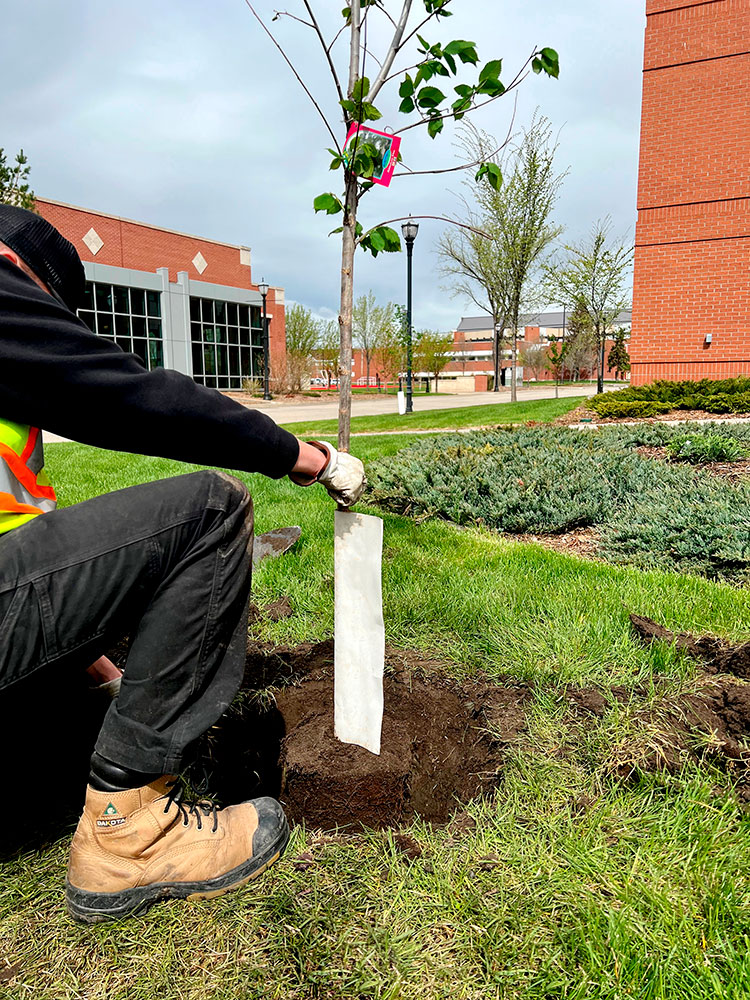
point(183, 115)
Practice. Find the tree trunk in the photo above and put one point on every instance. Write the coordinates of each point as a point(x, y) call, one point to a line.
point(348, 246)
point(601, 340)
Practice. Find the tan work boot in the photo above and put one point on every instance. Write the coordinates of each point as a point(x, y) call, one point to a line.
point(136, 847)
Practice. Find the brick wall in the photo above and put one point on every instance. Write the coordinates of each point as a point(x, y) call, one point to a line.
point(692, 257)
point(143, 247)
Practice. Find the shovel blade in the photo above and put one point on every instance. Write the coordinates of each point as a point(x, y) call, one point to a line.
point(274, 543)
point(359, 648)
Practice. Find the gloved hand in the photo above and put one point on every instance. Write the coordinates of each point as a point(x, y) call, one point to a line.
point(343, 475)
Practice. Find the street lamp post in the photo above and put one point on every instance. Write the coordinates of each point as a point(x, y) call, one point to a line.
point(263, 289)
point(410, 230)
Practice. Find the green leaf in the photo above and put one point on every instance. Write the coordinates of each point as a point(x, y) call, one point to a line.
point(466, 51)
point(349, 106)
point(406, 105)
point(550, 62)
point(464, 90)
point(536, 65)
point(491, 171)
point(451, 63)
point(425, 45)
point(377, 240)
point(491, 70)
point(434, 126)
point(491, 87)
point(407, 87)
point(328, 203)
point(370, 113)
point(430, 97)
point(361, 89)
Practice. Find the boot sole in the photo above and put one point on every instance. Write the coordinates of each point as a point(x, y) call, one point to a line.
point(96, 907)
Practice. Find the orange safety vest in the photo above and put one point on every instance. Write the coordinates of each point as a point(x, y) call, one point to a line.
point(25, 490)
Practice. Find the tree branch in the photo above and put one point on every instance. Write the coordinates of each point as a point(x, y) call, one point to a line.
point(298, 77)
point(286, 13)
point(520, 76)
point(393, 49)
point(327, 51)
point(405, 218)
point(466, 166)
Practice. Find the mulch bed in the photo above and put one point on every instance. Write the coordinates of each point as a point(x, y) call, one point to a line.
point(584, 414)
point(733, 471)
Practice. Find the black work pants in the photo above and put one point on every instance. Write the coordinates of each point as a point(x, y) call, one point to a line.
point(167, 563)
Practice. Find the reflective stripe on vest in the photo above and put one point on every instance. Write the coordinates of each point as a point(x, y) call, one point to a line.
point(25, 491)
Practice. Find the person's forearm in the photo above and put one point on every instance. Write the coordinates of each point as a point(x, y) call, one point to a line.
point(309, 465)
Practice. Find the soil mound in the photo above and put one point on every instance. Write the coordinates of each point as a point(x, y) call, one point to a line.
point(442, 742)
point(716, 655)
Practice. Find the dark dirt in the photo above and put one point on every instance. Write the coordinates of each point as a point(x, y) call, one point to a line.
point(584, 413)
point(582, 542)
point(733, 471)
point(442, 742)
point(716, 655)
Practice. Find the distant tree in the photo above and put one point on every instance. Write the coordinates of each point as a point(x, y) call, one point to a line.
point(536, 358)
point(432, 353)
point(14, 181)
point(327, 349)
point(302, 336)
point(390, 352)
point(592, 273)
point(499, 272)
point(369, 320)
point(618, 359)
point(580, 344)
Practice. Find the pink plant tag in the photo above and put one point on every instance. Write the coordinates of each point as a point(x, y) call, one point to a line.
point(387, 145)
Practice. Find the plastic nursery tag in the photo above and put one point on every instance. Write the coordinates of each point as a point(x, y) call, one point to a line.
point(386, 144)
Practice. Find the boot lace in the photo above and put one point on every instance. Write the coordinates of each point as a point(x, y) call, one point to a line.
point(190, 805)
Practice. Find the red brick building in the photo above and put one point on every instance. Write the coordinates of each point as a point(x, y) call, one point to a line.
point(691, 295)
point(175, 300)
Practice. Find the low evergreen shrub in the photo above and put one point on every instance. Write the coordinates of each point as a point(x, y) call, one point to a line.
point(551, 480)
point(699, 449)
point(730, 395)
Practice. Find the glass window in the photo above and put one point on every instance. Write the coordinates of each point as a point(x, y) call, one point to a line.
point(88, 295)
point(244, 315)
point(197, 360)
point(232, 313)
point(255, 319)
point(139, 326)
point(88, 319)
point(222, 362)
point(137, 302)
point(209, 359)
point(221, 334)
point(104, 325)
point(122, 302)
point(155, 354)
point(122, 326)
point(124, 342)
point(154, 328)
point(244, 335)
point(220, 311)
point(207, 310)
point(153, 303)
point(140, 349)
point(195, 309)
point(103, 297)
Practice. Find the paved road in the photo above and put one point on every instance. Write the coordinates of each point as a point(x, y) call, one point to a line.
point(284, 412)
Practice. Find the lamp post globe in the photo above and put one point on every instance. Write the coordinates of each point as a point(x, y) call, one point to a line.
point(263, 289)
point(409, 230)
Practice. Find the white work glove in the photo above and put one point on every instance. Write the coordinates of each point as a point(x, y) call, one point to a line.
point(343, 476)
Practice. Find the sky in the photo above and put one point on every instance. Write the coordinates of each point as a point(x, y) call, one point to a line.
point(183, 115)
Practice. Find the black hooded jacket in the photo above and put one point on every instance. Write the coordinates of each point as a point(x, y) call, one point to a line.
point(58, 375)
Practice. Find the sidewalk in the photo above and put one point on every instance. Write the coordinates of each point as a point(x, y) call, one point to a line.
point(284, 412)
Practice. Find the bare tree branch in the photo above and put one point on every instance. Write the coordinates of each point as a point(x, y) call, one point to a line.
point(327, 51)
point(440, 218)
point(422, 24)
point(392, 50)
point(301, 82)
point(285, 13)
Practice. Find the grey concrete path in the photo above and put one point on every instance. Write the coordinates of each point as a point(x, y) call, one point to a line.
point(284, 412)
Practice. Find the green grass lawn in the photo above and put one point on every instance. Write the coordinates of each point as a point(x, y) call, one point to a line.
point(491, 414)
point(573, 884)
